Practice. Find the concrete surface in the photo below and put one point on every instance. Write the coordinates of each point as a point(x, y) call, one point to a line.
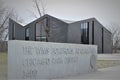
point(112, 73)
point(49, 60)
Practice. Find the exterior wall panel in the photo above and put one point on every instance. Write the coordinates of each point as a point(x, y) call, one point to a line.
point(98, 36)
point(10, 29)
point(19, 31)
point(107, 42)
point(58, 30)
point(74, 33)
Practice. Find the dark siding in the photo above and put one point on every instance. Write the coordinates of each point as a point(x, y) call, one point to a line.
point(92, 32)
point(74, 33)
point(58, 30)
point(10, 29)
point(19, 31)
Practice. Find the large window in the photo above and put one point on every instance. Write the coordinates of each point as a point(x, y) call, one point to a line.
point(27, 33)
point(85, 33)
point(92, 32)
point(41, 30)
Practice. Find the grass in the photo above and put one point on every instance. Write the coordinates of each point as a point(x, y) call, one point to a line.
point(107, 63)
point(3, 65)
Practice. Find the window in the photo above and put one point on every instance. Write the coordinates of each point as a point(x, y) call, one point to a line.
point(92, 32)
point(27, 33)
point(85, 33)
point(41, 30)
point(13, 31)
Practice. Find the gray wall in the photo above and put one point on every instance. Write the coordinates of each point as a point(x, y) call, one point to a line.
point(74, 33)
point(107, 41)
point(58, 30)
point(97, 32)
point(19, 31)
point(10, 29)
point(32, 28)
point(98, 35)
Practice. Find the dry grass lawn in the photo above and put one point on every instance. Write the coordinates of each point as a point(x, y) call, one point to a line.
point(3, 65)
point(107, 63)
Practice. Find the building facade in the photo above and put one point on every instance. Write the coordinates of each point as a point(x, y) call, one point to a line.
point(48, 28)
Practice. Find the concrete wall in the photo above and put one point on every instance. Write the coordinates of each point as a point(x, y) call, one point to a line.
point(46, 60)
point(74, 33)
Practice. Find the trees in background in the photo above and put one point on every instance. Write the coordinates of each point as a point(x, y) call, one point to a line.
point(115, 30)
point(40, 8)
point(5, 14)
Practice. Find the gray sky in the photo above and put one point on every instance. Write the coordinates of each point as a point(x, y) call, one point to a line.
point(105, 11)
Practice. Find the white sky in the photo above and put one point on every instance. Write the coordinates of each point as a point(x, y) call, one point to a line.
point(105, 11)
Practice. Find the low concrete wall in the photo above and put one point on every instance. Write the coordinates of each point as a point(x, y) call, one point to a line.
point(41, 60)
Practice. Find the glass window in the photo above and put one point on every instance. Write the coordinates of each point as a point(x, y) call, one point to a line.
point(92, 32)
point(85, 33)
point(27, 33)
point(41, 30)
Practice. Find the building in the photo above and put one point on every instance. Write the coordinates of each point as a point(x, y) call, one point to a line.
point(88, 31)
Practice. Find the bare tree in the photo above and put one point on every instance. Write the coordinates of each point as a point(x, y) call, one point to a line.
point(5, 14)
point(115, 29)
point(39, 6)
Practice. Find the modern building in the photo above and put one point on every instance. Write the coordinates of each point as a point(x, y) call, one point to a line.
point(49, 28)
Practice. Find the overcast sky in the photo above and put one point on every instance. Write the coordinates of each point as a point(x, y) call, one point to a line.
point(105, 11)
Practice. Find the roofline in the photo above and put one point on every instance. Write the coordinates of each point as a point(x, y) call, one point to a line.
point(47, 15)
point(15, 22)
point(102, 25)
point(42, 17)
point(95, 20)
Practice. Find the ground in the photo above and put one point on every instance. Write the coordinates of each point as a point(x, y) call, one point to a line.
point(3, 65)
point(107, 63)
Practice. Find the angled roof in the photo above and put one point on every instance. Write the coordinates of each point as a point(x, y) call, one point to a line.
point(65, 21)
point(46, 15)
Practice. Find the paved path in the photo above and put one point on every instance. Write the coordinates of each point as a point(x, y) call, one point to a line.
point(112, 73)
